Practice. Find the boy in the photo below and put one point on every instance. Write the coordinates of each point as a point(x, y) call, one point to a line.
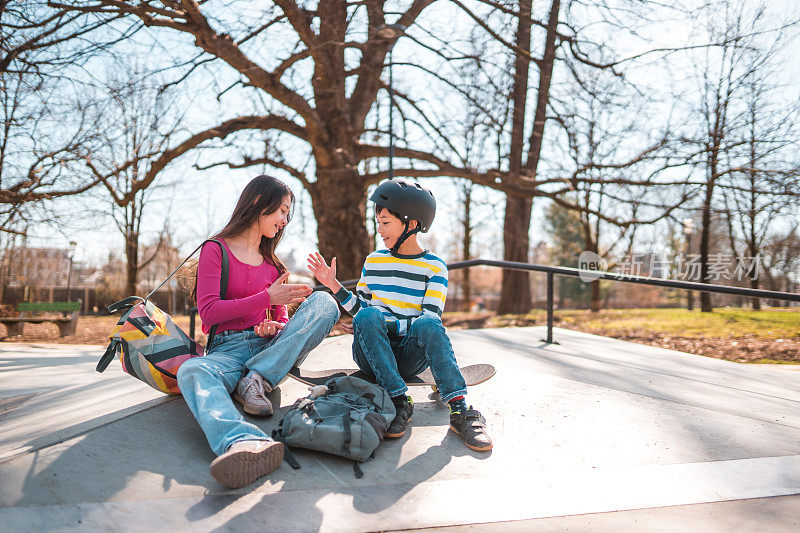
point(397, 311)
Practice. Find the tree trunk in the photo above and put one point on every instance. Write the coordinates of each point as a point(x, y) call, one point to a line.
point(466, 245)
point(339, 204)
point(594, 296)
point(705, 238)
point(591, 244)
point(690, 293)
point(132, 265)
point(339, 194)
point(756, 302)
point(515, 296)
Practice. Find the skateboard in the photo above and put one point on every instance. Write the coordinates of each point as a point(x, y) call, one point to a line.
point(473, 375)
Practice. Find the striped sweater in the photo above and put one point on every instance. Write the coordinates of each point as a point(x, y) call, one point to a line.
point(403, 287)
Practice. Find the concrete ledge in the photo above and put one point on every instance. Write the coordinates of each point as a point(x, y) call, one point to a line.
point(592, 425)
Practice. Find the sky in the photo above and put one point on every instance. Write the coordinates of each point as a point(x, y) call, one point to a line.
point(198, 203)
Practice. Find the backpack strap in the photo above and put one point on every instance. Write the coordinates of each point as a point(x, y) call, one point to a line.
point(347, 436)
point(223, 284)
point(370, 397)
point(125, 303)
point(287, 453)
point(131, 301)
point(111, 351)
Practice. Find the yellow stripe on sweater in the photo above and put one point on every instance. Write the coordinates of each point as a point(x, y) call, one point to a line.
point(398, 303)
point(434, 294)
point(411, 262)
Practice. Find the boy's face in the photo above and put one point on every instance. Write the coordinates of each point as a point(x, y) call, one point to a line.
point(390, 227)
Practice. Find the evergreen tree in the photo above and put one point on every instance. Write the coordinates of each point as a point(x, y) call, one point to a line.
point(567, 242)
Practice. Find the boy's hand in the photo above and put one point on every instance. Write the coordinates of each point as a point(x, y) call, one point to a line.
point(268, 328)
point(325, 274)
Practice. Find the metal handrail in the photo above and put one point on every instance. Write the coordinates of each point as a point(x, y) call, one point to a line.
point(552, 271)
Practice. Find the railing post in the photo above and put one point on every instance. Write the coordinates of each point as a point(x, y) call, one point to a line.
point(549, 307)
point(191, 323)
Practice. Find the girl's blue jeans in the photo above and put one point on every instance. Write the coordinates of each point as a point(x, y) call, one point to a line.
point(207, 382)
point(390, 359)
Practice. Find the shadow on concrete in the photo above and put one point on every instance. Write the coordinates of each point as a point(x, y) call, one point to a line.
point(98, 465)
point(23, 362)
point(368, 493)
point(162, 453)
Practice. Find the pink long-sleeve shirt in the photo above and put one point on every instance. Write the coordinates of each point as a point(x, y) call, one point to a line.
point(246, 300)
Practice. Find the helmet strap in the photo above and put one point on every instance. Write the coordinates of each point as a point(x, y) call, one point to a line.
point(403, 236)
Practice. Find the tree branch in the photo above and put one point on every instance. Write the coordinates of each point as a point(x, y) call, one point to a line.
point(250, 162)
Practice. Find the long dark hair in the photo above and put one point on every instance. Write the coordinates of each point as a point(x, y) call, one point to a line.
point(263, 195)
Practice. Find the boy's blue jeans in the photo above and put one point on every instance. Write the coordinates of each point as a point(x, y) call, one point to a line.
point(391, 359)
point(207, 382)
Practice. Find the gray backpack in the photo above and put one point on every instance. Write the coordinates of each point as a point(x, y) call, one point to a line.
point(349, 420)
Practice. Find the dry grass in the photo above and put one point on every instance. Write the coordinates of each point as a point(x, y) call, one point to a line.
point(741, 335)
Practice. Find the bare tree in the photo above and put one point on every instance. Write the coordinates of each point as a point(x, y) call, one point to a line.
point(566, 36)
point(44, 126)
point(515, 295)
point(723, 145)
point(318, 87)
point(479, 135)
point(137, 119)
point(780, 259)
point(318, 92)
point(765, 190)
point(38, 148)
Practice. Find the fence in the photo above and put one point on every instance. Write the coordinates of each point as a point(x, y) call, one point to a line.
point(94, 300)
point(552, 271)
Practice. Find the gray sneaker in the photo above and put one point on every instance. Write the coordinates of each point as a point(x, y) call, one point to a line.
point(251, 392)
point(471, 426)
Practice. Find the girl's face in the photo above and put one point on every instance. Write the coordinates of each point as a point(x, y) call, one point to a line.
point(269, 224)
point(390, 227)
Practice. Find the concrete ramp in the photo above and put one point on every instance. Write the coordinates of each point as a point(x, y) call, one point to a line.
point(590, 425)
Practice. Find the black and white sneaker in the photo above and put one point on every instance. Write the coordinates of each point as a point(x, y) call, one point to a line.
point(404, 408)
point(471, 426)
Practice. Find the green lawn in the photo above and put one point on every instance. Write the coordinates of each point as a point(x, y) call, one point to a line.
point(733, 334)
point(722, 322)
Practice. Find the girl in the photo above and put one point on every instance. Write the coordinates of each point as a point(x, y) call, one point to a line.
point(256, 344)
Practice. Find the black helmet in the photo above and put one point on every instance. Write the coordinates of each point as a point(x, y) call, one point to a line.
point(410, 200)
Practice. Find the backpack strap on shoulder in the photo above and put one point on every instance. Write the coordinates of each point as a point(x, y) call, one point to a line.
point(223, 284)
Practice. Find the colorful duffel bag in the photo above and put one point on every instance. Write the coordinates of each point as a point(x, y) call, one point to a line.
point(150, 346)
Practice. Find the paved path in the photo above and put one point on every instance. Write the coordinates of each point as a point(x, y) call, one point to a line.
point(589, 432)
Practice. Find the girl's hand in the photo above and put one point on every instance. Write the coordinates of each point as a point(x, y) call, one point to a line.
point(281, 293)
point(268, 328)
point(325, 274)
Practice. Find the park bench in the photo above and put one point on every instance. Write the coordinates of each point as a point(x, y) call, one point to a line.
point(66, 324)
